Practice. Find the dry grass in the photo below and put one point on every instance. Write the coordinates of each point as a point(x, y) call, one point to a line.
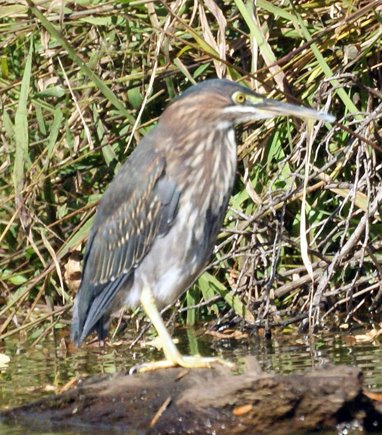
point(82, 82)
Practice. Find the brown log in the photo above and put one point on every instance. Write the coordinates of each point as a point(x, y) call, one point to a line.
point(207, 401)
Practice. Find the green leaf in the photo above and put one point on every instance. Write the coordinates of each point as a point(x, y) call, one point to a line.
point(328, 71)
point(76, 238)
point(201, 70)
point(97, 21)
point(22, 159)
point(208, 293)
point(191, 313)
point(100, 84)
point(52, 91)
point(54, 131)
point(135, 97)
point(207, 280)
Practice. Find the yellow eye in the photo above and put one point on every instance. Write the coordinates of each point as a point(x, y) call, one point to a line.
point(239, 98)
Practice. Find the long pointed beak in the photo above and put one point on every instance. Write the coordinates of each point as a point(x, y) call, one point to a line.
point(270, 108)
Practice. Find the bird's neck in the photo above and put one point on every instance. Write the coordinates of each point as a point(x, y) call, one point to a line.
point(206, 163)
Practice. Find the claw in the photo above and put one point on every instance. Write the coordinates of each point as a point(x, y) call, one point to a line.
point(173, 357)
point(188, 362)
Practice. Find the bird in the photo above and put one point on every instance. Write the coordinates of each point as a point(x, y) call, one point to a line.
point(156, 225)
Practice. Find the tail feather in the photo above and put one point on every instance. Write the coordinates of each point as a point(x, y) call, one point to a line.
point(92, 313)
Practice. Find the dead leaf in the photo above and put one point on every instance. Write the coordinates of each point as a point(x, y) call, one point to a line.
point(228, 333)
point(4, 360)
point(72, 273)
point(369, 336)
point(241, 410)
point(373, 396)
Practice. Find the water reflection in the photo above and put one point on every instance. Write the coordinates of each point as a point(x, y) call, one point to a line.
point(44, 369)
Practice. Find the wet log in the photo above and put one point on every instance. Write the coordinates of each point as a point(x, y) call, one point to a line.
point(205, 401)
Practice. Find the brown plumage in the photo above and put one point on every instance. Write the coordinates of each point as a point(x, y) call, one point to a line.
point(157, 222)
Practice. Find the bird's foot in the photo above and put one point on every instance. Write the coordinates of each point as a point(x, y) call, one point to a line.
point(189, 362)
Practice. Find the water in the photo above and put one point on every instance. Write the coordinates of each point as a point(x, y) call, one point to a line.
point(34, 372)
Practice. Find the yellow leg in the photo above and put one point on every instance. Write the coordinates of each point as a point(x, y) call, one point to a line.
point(171, 353)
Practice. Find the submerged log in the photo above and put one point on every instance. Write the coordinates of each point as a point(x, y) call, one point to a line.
point(206, 401)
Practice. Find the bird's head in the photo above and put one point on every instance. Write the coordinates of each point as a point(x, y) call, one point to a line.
point(220, 104)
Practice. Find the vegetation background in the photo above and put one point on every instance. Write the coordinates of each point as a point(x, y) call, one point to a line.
point(82, 81)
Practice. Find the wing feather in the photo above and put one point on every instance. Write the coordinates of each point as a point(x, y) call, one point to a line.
point(132, 214)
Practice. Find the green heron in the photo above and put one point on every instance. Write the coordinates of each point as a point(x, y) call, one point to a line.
point(156, 225)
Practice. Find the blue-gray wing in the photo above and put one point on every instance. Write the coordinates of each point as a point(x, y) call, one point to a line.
point(138, 206)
